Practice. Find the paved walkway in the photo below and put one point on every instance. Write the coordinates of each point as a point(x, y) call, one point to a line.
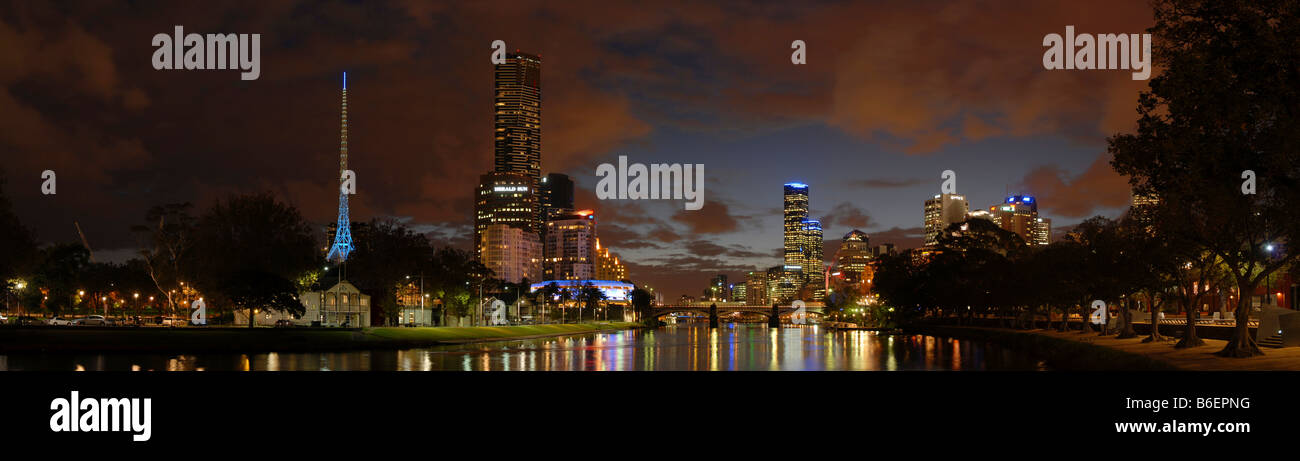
point(1196, 358)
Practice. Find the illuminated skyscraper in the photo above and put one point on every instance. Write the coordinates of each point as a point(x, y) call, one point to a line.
point(796, 212)
point(1019, 214)
point(853, 257)
point(503, 198)
point(570, 247)
point(518, 119)
point(942, 211)
point(511, 253)
point(814, 264)
point(556, 195)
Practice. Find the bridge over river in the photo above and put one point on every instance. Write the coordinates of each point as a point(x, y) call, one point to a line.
point(774, 313)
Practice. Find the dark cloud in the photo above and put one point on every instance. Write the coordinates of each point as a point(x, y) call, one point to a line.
point(1077, 196)
point(713, 218)
point(886, 183)
point(911, 237)
point(846, 214)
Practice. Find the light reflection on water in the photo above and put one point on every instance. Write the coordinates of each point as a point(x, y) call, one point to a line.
point(675, 347)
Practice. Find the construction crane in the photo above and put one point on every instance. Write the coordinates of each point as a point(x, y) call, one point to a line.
point(84, 242)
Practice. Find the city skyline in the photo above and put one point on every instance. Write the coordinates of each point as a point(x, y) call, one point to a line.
point(421, 122)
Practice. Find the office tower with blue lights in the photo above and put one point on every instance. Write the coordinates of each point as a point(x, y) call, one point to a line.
point(803, 243)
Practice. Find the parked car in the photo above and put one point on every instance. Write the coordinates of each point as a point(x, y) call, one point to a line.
point(170, 321)
point(93, 320)
point(3, 319)
point(283, 323)
point(60, 321)
point(28, 320)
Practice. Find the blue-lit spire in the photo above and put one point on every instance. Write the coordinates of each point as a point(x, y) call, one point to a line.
point(343, 231)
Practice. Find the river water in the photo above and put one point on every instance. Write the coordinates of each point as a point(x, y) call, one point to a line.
point(676, 347)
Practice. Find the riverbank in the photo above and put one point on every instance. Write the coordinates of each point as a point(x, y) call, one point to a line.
point(1163, 354)
point(193, 340)
point(1066, 351)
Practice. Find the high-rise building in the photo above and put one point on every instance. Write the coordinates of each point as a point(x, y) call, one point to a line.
point(1019, 214)
point(1042, 231)
point(608, 266)
point(739, 293)
point(570, 247)
point(853, 257)
point(803, 241)
point(942, 211)
point(796, 212)
point(814, 261)
point(884, 249)
point(756, 292)
point(503, 198)
point(556, 195)
point(783, 284)
point(719, 289)
point(518, 121)
point(511, 253)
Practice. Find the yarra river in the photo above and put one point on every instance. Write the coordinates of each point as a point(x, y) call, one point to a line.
point(691, 346)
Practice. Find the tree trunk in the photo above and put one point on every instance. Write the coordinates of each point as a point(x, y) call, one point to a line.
point(251, 319)
point(1189, 332)
point(1155, 335)
point(1126, 316)
point(1241, 344)
point(1084, 326)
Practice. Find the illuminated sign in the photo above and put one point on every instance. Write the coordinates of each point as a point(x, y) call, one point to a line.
point(500, 189)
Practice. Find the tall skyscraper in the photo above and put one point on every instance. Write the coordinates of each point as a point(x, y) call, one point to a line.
point(570, 247)
point(756, 291)
point(518, 119)
point(814, 261)
point(556, 195)
point(796, 212)
point(942, 211)
point(503, 198)
point(803, 242)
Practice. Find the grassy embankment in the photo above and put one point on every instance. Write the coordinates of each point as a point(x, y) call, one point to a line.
point(124, 339)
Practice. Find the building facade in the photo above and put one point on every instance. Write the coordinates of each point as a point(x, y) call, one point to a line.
point(942, 211)
point(608, 265)
point(517, 123)
point(556, 196)
point(570, 247)
point(503, 198)
point(1019, 214)
point(511, 253)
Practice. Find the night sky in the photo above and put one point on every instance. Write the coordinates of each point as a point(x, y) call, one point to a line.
point(893, 94)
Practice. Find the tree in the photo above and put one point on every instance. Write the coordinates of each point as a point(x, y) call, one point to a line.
point(385, 259)
point(642, 303)
point(590, 297)
point(18, 251)
point(166, 239)
point(1223, 108)
point(249, 250)
point(59, 273)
